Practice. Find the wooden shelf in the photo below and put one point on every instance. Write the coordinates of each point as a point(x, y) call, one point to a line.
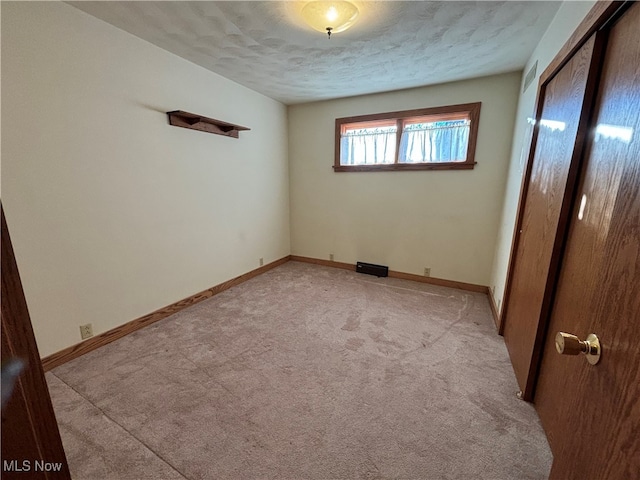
point(178, 118)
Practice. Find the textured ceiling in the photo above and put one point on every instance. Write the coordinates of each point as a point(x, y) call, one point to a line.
point(267, 47)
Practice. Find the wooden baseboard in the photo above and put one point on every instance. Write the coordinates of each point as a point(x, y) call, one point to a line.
point(326, 263)
point(109, 336)
point(494, 309)
point(74, 351)
point(471, 287)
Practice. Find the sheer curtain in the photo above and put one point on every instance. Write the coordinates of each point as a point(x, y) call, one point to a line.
point(444, 141)
point(368, 146)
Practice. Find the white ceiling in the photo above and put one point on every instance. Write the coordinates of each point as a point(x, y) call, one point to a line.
point(266, 46)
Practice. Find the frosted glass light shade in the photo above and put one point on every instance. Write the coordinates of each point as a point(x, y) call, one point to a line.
point(334, 15)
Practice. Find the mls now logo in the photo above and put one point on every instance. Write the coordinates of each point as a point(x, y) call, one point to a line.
point(25, 466)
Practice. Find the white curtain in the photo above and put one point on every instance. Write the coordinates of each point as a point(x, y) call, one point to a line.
point(368, 146)
point(434, 142)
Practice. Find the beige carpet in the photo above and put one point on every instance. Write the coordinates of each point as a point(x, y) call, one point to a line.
point(304, 372)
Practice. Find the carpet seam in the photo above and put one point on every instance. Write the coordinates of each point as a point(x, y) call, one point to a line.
point(123, 428)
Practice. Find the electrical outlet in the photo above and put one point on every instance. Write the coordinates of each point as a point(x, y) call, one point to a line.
point(261, 261)
point(86, 331)
point(427, 271)
point(331, 257)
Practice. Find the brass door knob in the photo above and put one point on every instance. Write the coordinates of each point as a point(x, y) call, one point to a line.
point(568, 344)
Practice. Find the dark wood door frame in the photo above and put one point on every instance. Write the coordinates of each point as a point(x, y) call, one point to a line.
point(591, 413)
point(568, 97)
point(598, 18)
point(30, 435)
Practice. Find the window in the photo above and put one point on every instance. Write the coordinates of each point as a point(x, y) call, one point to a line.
point(424, 139)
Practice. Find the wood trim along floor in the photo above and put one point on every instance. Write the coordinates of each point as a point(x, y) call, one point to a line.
point(109, 336)
point(471, 287)
point(494, 309)
point(326, 263)
point(79, 349)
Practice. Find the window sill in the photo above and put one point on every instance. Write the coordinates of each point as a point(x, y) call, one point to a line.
point(394, 167)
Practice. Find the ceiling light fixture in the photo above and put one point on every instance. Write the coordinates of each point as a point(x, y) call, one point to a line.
point(330, 17)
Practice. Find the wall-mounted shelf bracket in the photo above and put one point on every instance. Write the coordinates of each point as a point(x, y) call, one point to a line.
point(178, 118)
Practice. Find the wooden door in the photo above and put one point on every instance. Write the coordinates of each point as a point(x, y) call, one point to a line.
point(592, 413)
point(31, 445)
point(549, 193)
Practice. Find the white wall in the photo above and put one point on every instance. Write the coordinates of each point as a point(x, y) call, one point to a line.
point(568, 17)
point(114, 213)
point(445, 220)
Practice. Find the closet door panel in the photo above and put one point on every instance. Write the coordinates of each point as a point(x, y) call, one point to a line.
point(591, 413)
point(553, 170)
